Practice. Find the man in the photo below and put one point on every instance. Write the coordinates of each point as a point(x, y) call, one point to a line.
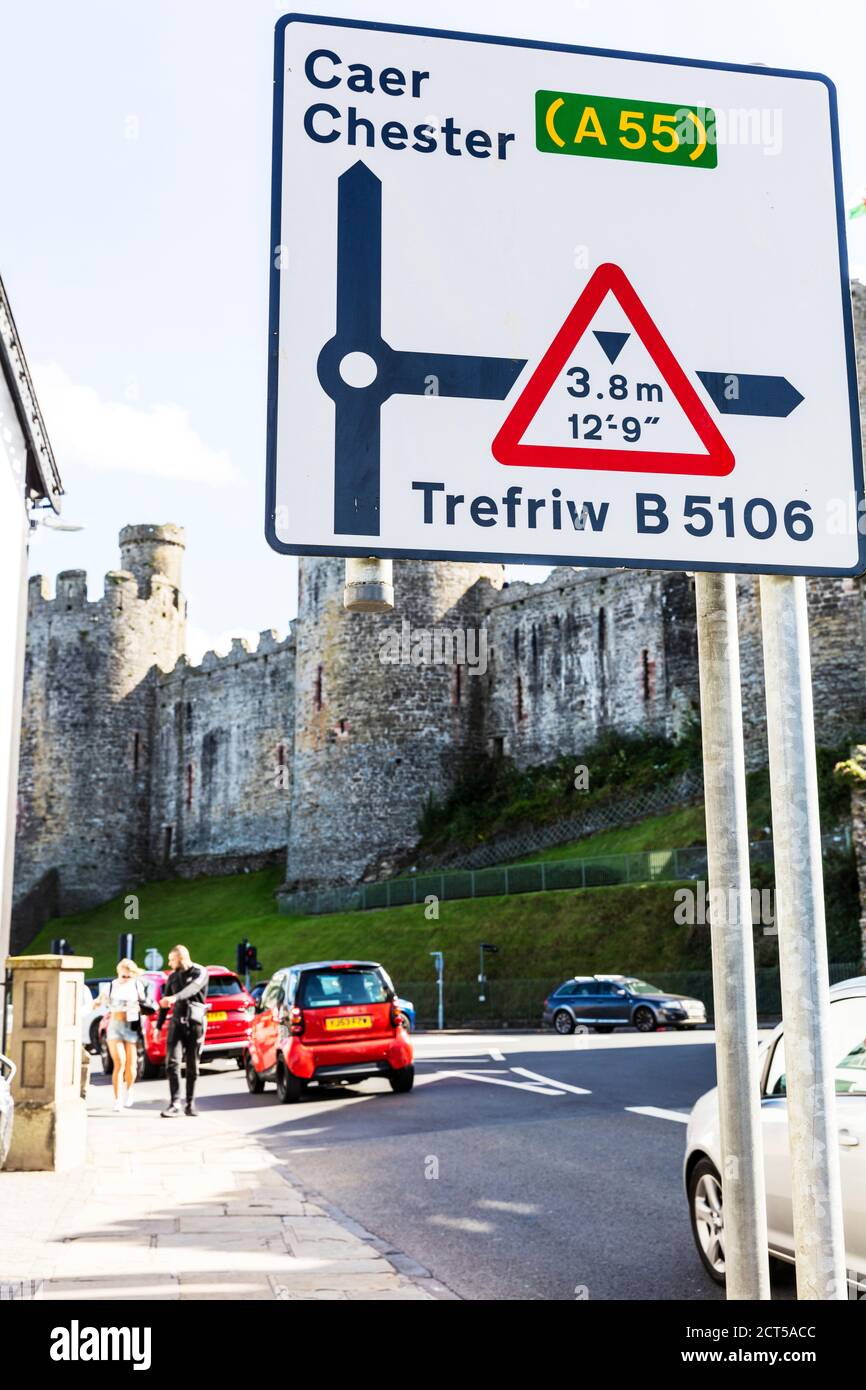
point(186, 989)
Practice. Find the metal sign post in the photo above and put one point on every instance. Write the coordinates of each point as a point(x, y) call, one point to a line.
point(745, 1214)
point(813, 1142)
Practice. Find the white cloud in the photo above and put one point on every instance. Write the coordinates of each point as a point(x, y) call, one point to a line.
point(120, 437)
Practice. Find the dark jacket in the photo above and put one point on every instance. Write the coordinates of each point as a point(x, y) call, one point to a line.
point(185, 987)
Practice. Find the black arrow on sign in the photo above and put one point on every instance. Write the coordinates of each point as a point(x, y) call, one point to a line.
point(739, 393)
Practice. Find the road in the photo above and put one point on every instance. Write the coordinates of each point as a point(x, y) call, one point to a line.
point(522, 1166)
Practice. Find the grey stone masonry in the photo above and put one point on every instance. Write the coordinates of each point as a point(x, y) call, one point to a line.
point(223, 745)
point(87, 751)
point(857, 783)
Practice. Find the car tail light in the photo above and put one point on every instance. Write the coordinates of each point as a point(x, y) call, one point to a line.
point(396, 1016)
point(249, 1013)
point(544, 1003)
point(296, 1021)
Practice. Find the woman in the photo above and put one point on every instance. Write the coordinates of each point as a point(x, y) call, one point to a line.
point(123, 999)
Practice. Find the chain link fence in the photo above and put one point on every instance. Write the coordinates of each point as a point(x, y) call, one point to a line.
point(622, 809)
point(519, 1003)
point(650, 866)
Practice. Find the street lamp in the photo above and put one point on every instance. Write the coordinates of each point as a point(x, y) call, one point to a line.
point(439, 962)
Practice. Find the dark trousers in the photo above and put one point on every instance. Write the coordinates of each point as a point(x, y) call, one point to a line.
point(183, 1043)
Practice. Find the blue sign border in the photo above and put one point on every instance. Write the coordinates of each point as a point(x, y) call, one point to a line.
point(486, 556)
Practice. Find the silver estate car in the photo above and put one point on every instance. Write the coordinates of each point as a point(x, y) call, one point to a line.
point(704, 1189)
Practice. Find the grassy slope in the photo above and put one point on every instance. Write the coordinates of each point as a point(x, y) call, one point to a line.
point(540, 935)
point(676, 830)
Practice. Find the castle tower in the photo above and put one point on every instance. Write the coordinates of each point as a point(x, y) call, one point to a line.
point(146, 551)
point(87, 726)
point(376, 732)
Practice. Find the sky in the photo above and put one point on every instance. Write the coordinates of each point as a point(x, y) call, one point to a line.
point(134, 244)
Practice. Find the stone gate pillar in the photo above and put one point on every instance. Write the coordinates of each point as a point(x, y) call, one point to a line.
point(50, 1129)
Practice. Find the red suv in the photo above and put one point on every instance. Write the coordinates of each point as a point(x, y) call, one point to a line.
point(329, 1022)
point(230, 1011)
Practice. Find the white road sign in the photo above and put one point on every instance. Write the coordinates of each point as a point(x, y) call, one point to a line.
point(557, 305)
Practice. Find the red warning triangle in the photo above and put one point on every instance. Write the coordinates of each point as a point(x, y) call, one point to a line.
point(508, 449)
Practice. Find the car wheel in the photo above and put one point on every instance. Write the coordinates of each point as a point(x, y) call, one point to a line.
point(563, 1022)
point(105, 1056)
point(255, 1084)
point(240, 1061)
point(402, 1080)
point(94, 1036)
point(140, 1061)
point(289, 1087)
point(645, 1020)
point(707, 1218)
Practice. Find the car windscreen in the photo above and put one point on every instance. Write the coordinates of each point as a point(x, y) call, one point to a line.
point(329, 989)
point(641, 986)
point(224, 984)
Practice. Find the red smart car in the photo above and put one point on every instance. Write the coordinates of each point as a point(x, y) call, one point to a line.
point(328, 1022)
point(230, 1011)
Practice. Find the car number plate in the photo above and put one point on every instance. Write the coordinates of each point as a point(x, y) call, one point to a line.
point(217, 1017)
point(351, 1021)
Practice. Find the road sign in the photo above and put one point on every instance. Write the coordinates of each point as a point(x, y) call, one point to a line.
point(637, 354)
point(614, 439)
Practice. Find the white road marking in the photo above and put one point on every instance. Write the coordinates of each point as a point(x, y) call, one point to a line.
point(515, 1085)
point(424, 1078)
point(475, 1061)
point(563, 1085)
point(496, 1055)
point(658, 1113)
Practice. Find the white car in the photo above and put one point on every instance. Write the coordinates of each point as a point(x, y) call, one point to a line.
point(703, 1159)
point(91, 1011)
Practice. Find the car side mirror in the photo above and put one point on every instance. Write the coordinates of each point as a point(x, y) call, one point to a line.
point(619, 991)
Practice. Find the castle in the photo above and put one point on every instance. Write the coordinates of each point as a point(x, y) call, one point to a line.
point(319, 750)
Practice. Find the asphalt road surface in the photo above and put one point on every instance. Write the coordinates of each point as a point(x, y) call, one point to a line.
point(522, 1166)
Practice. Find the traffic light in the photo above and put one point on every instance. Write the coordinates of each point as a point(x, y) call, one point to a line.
point(484, 948)
point(247, 958)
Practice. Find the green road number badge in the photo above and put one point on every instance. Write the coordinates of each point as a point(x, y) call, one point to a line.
point(610, 128)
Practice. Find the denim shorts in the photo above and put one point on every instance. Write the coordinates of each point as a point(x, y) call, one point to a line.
point(121, 1032)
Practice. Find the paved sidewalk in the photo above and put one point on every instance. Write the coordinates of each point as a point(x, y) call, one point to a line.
point(186, 1208)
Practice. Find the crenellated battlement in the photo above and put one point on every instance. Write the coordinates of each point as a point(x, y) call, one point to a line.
point(241, 652)
point(120, 593)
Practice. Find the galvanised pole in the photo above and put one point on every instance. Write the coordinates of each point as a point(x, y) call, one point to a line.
point(816, 1200)
point(744, 1199)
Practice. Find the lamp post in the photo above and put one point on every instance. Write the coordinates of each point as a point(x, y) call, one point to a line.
point(439, 962)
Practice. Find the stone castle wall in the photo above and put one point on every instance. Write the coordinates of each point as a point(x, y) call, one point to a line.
point(374, 738)
point(223, 747)
point(584, 651)
point(87, 741)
